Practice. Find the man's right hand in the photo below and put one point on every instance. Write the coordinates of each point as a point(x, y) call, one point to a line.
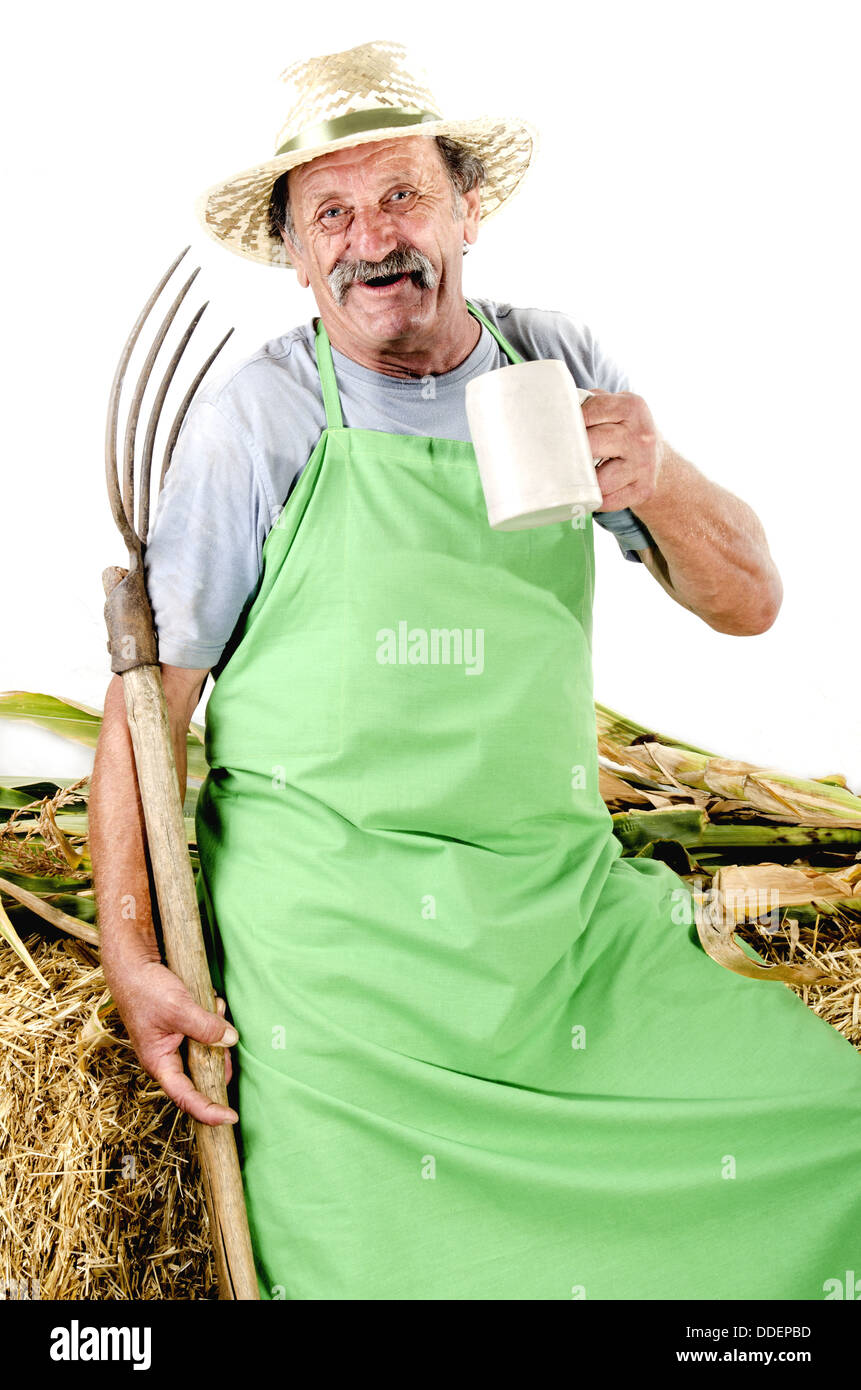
point(159, 1013)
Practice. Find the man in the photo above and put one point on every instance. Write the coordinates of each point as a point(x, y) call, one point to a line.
point(479, 1056)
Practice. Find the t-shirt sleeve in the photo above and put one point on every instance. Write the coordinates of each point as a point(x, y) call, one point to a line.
point(203, 556)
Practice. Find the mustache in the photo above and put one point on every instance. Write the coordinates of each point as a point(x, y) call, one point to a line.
point(404, 260)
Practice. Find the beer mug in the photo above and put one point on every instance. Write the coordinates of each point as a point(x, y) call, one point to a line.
point(531, 445)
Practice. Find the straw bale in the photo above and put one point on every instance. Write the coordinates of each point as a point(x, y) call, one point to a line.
point(834, 944)
point(100, 1190)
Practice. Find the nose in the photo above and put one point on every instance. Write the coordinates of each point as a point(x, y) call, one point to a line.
point(373, 234)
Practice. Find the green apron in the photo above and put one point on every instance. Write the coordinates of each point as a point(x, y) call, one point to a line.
point(481, 1055)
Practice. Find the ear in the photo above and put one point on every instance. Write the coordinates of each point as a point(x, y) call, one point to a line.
point(472, 214)
point(296, 260)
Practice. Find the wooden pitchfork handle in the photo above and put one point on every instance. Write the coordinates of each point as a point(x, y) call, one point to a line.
point(134, 656)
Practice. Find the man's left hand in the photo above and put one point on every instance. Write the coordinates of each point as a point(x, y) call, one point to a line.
point(622, 433)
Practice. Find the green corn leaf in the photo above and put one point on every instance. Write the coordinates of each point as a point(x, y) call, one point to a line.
point(41, 884)
point(82, 724)
point(691, 827)
point(78, 905)
point(621, 730)
point(68, 718)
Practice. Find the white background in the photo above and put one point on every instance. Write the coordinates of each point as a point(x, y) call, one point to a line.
point(694, 201)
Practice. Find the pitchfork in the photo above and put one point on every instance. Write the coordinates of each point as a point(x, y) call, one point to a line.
point(134, 655)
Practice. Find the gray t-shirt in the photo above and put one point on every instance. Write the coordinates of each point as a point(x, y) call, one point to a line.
point(252, 429)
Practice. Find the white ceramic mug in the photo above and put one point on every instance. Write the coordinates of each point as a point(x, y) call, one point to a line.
point(531, 445)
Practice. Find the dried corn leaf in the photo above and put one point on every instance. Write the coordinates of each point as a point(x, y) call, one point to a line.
point(8, 933)
point(53, 832)
point(769, 790)
point(94, 1032)
point(751, 890)
point(718, 941)
point(612, 788)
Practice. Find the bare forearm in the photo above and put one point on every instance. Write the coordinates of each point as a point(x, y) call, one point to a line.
point(154, 1004)
point(118, 839)
point(712, 549)
point(117, 834)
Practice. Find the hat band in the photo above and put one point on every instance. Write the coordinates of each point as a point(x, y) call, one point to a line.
point(354, 123)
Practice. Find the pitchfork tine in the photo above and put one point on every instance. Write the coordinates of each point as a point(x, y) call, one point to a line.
point(186, 402)
point(125, 523)
point(152, 426)
point(134, 409)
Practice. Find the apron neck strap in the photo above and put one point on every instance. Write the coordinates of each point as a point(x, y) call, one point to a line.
point(326, 367)
point(494, 332)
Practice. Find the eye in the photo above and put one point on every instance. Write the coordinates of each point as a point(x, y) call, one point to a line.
point(403, 195)
point(331, 215)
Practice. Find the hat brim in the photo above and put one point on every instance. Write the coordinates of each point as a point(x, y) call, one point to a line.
point(235, 212)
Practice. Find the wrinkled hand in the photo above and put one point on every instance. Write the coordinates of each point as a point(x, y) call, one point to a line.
point(159, 1013)
point(622, 433)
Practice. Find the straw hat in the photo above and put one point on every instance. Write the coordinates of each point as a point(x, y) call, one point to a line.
point(352, 98)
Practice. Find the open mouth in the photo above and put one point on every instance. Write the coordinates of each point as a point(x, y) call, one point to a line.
point(384, 282)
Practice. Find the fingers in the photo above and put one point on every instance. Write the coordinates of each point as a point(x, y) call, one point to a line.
point(605, 407)
point(204, 1027)
point(605, 441)
point(615, 478)
point(175, 1084)
point(164, 1014)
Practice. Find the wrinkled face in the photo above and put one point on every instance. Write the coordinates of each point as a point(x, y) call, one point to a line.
point(381, 233)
